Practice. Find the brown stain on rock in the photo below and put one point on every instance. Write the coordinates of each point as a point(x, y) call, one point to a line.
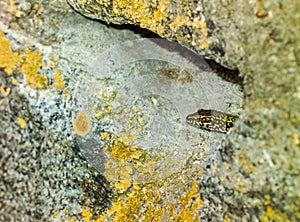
point(82, 124)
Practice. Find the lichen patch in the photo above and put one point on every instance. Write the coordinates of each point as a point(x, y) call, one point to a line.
point(82, 124)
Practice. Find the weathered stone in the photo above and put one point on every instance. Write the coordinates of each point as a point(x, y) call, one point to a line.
point(258, 179)
point(261, 39)
point(196, 25)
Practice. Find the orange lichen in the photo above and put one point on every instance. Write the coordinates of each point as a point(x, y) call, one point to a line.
point(82, 124)
point(9, 60)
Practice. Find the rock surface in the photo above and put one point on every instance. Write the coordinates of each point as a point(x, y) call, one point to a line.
point(257, 177)
point(262, 40)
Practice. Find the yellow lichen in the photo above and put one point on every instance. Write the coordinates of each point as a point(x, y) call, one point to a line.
point(37, 81)
point(267, 199)
point(105, 136)
point(33, 62)
point(179, 22)
point(296, 140)
point(58, 80)
point(15, 82)
point(32, 65)
point(203, 42)
point(120, 172)
point(87, 215)
point(125, 152)
point(139, 11)
point(162, 11)
point(127, 138)
point(245, 162)
point(186, 20)
point(9, 60)
point(4, 92)
point(22, 123)
point(215, 168)
point(136, 10)
point(274, 215)
point(13, 9)
point(271, 214)
point(160, 29)
point(82, 124)
point(191, 204)
point(128, 206)
point(122, 186)
point(136, 174)
point(121, 148)
point(150, 197)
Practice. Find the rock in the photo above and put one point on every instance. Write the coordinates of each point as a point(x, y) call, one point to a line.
point(261, 40)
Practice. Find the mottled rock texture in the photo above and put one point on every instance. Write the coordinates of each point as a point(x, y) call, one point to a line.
point(44, 179)
point(259, 176)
